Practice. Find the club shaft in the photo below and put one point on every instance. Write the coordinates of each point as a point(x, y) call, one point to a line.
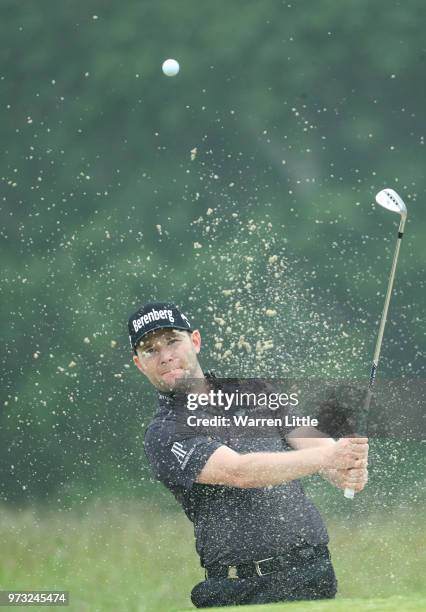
point(386, 304)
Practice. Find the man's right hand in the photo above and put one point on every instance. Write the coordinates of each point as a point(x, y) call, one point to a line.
point(347, 453)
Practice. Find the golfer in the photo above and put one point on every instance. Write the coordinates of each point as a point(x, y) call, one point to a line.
point(259, 538)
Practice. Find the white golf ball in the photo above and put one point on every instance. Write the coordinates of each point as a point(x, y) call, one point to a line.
point(170, 67)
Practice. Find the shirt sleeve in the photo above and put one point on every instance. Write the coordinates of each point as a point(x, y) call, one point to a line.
point(176, 459)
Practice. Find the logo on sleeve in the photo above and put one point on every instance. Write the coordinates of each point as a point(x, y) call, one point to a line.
point(178, 451)
point(181, 454)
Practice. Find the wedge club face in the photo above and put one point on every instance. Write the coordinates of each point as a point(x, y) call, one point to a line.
point(388, 198)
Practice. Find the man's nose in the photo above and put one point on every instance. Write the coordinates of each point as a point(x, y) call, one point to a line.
point(165, 354)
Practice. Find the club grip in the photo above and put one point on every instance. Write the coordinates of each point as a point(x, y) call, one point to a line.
point(349, 493)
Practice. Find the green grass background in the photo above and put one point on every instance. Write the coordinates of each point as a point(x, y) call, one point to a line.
point(130, 555)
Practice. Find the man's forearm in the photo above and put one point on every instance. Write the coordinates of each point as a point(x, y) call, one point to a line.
point(266, 469)
point(230, 468)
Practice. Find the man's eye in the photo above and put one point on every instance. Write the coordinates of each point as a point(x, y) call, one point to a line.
point(172, 340)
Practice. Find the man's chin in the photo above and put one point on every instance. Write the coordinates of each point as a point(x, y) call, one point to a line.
point(172, 380)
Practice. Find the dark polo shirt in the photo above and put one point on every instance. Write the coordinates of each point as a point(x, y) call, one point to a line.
point(231, 525)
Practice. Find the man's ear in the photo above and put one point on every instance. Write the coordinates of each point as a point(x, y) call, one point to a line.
point(196, 340)
point(138, 364)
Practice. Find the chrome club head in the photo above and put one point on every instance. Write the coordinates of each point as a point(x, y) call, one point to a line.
point(388, 198)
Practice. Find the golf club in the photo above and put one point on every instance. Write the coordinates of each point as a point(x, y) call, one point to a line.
point(389, 199)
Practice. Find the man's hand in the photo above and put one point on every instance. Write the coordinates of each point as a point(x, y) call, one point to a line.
point(346, 453)
point(346, 463)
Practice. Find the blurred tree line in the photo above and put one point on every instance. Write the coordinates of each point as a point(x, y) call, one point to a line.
point(241, 189)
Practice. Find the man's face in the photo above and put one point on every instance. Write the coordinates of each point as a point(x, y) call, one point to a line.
point(169, 355)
